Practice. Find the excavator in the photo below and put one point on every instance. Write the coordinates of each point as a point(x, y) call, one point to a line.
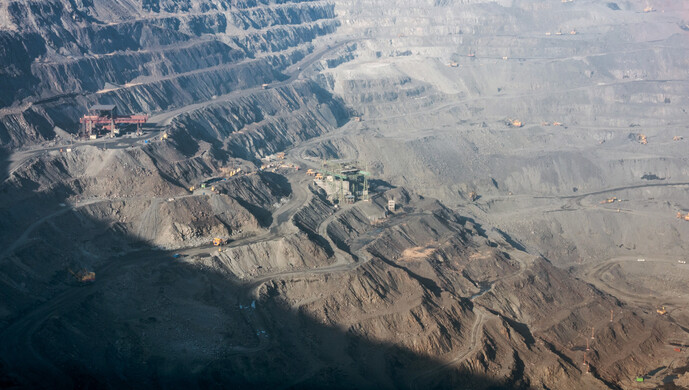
point(661, 311)
point(515, 122)
point(217, 241)
point(83, 276)
point(684, 217)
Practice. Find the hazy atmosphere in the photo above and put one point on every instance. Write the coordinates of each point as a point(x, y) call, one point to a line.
point(344, 194)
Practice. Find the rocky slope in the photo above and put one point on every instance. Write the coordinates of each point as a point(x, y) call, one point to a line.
point(61, 56)
point(460, 292)
point(440, 83)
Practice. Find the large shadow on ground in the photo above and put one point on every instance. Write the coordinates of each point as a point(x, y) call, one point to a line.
point(155, 320)
point(4, 164)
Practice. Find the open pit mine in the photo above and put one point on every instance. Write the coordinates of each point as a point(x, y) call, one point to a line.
point(370, 194)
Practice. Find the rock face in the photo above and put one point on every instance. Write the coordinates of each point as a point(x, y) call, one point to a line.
point(440, 85)
point(499, 267)
point(62, 56)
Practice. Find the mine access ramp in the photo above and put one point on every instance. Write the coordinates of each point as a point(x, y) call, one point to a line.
point(105, 117)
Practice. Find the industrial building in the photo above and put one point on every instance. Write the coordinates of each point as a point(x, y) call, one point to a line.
point(343, 183)
point(104, 118)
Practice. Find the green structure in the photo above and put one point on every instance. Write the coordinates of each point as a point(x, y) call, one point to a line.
point(345, 182)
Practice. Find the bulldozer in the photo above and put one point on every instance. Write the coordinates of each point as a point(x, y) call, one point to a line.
point(515, 123)
point(642, 139)
point(83, 276)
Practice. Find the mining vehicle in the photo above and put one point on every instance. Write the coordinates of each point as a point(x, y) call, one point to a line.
point(609, 200)
point(516, 123)
point(84, 276)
